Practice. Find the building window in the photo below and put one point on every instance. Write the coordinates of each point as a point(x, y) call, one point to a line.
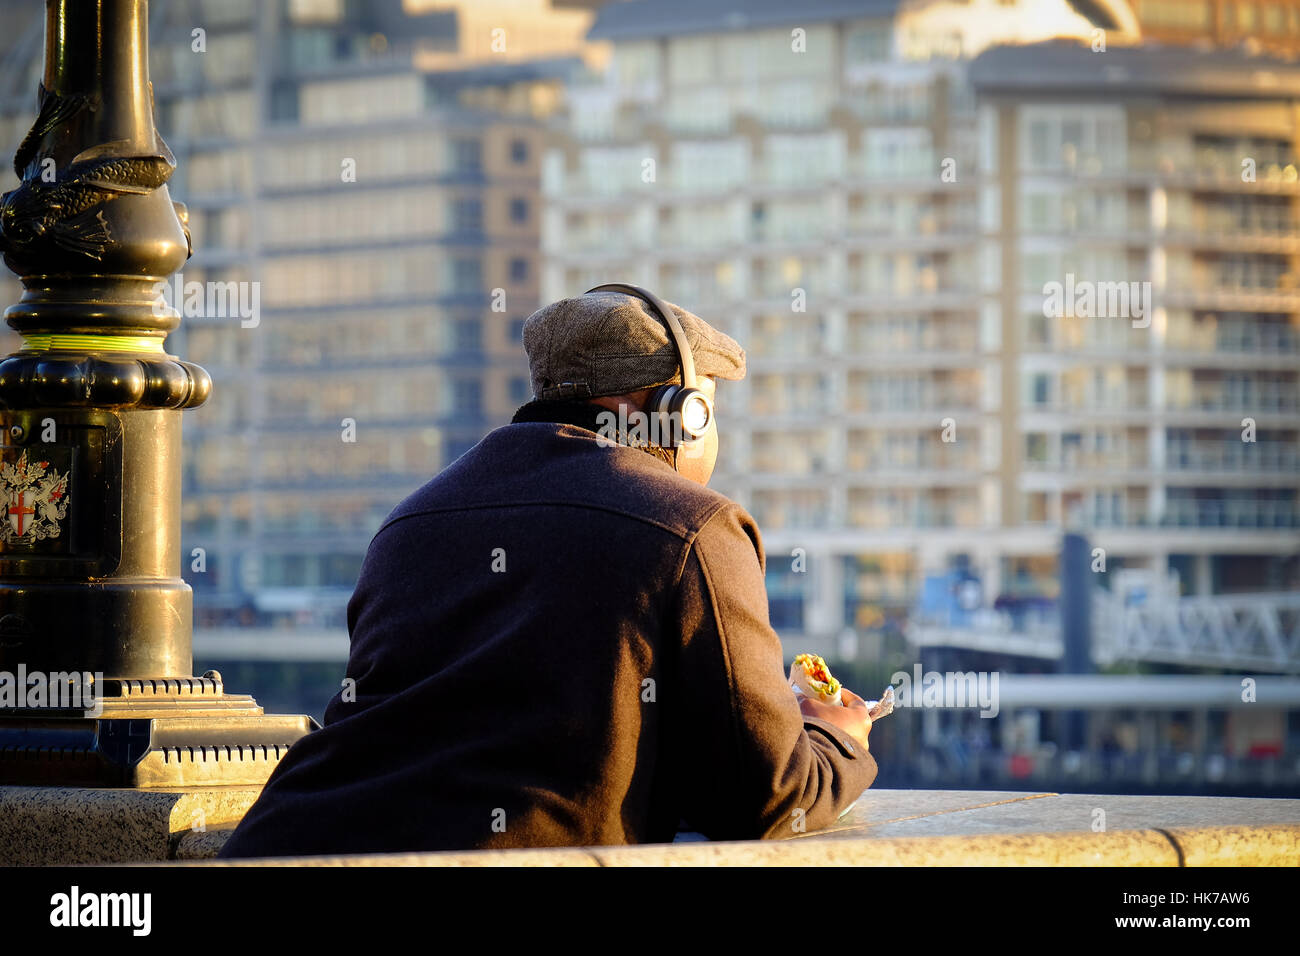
point(692, 60)
point(1274, 19)
point(467, 215)
point(520, 390)
point(516, 330)
point(518, 151)
point(519, 210)
point(868, 44)
point(438, 96)
point(518, 270)
point(467, 396)
point(785, 600)
point(1040, 145)
point(284, 570)
point(1041, 390)
point(284, 103)
point(1036, 449)
point(467, 335)
point(340, 570)
point(467, 155)
point(455, 447)
point(467, 275)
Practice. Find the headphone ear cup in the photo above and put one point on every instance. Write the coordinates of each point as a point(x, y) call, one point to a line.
point(695, 413)
point(668, 410)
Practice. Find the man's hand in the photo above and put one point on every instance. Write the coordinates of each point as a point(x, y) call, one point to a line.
point(851, 717)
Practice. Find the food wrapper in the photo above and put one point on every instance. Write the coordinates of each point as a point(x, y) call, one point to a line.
point(883, 707)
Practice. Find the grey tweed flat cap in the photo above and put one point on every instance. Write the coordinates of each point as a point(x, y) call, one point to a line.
point(609, 343)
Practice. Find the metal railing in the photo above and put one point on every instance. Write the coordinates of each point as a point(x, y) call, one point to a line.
point(1256, 631)
point(1228, 630)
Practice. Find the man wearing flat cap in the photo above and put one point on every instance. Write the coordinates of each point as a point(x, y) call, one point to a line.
point(562, 639)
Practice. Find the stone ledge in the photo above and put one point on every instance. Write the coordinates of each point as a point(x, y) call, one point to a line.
point(1211, 846)
point(43, 826)
point(60, 825)
point(1239, 846)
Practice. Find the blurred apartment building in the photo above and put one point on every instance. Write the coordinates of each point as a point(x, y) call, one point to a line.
point(374, 169)
point(1272, 26)
point(871, 198)
point(381, 168)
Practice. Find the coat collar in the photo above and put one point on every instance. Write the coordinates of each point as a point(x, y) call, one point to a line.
point(584, 415)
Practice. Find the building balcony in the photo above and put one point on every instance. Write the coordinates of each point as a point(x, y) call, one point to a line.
point(913, 518)
point(1259, 400)
point(1092, 337)
point(1226, 178)
point(912, 334)
point(1283, 240)
point(1120, 403)
point(1135, 460)
point(867, 221)
point(582, 249)
point(1122, 518)
point(958, 352)
point(919, 176)
point(779, 234)
point(1234, 457)
point(861, 401)
point(771, 351)
point(1240, 514)
point(942, 296)
point(934, 456)
point(1228, 296)
point(953, 477)
point(874, 508)
point(1261, 338)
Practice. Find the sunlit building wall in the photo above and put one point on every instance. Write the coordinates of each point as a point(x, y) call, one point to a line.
point(825, 185)
point(1269, 25)
point(1171, 431)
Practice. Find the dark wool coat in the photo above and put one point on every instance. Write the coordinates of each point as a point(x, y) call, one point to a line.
point(558, 641)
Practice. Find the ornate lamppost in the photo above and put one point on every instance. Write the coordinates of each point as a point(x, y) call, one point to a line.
point(90, 455)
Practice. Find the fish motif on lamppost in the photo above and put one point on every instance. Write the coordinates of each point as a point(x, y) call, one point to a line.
point(62, 206)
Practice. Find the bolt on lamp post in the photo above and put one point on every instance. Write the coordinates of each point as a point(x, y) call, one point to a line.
point(90, 430)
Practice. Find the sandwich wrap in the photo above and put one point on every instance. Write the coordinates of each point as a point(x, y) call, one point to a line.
point(811, 677)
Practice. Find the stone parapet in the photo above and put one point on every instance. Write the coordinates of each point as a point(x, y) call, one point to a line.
point(59, 825)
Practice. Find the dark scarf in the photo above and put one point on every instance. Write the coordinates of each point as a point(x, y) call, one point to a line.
point(585, 415)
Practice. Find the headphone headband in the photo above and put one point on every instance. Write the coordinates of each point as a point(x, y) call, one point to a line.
point(684, 410)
